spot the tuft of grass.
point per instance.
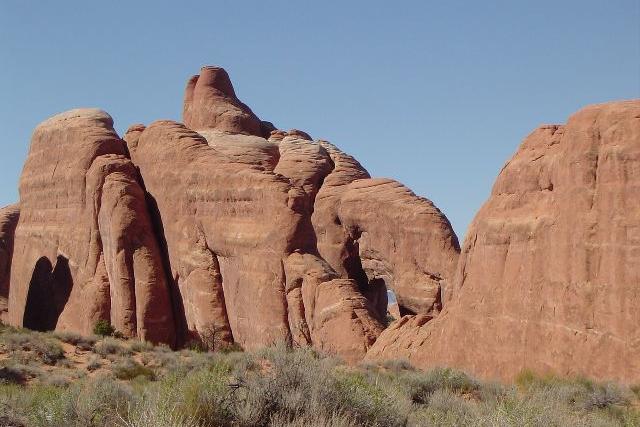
(82, 342)
(110, 346)
(46, 348)
(129, 369)
(398, 365)
(138, 346)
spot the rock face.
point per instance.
(210, 102)
(247, 225)
(549, 273)
(240, 246)
(8, 221)
(84, 246)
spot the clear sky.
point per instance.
(435, 94)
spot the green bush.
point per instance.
(129, 369)
(103, 328)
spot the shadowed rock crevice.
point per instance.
(48, 294)
(9, 217)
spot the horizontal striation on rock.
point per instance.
(222, 225)
(84, 248)
(549, 271)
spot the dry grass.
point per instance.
(69, 380)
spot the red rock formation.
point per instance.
(8, 221)
(235, 236)
(549, 273)
(210, 102)
(212, 207)
(210, 227)
(379, 233)
(84, 247)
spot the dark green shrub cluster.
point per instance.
(103, 328)
(129, 369)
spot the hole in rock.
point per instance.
(48, 294)
(393, 309)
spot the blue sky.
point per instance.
(435, 94)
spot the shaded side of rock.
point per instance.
(9, 216)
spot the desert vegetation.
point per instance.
(64, 379)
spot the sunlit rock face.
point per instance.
(220, 224)
(549, 275)
(84, 247)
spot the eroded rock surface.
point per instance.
(231, 227)
(550, 269)
(221, 228)
(84, 246)
(210, 102)
(8, 220)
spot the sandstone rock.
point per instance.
(84, 246)
(379, 233)
(8, 220)
(210, 102)
(212, 230)
(550, 269)
(231, 227)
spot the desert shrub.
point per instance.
(56, 380)
(369, 403)
(101, 402)
(445, 408)
(156, 413)
(139, 346)
(398, 365)
(230, 348)
(332, 420)
(65, 363)
(109, 346)
(420, 386)
(80, 341)
(47, 349)
(289, 385)
(280, 387)
(16, 374)
(605, 396)
(93, 364)
(97, 403)
(11, 420)
(128, 369)
(103, 328)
